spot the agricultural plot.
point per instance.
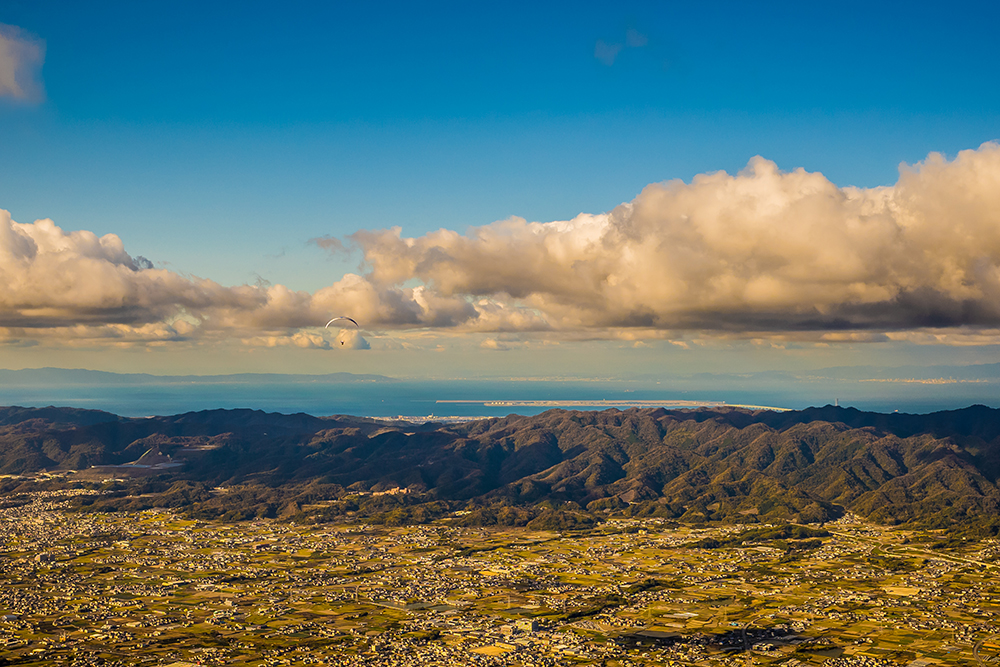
(149, 588)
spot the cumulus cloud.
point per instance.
(53, 278)
(351, 339)
(494, 344)
(56, 280)
(762, 254)
(21, 58)
(301, 339)
(762, 250)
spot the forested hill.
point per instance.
(693, 465)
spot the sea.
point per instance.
(493, 397)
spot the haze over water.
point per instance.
(420, 398)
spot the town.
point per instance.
(156, 588)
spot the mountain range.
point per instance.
(698, 465)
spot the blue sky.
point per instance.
(217, 139)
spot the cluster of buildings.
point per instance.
(90, 588)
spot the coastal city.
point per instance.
(156, 588)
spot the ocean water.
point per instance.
(421, 398)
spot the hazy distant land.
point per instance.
(906, 389)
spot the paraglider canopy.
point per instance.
(342, 318)
(346, 319)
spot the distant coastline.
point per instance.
(902, 389)
(612, 403)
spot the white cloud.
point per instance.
(351, 339)
(635, 39)
(305, 340)
(763, 250)
(494, 344)
(606, 52)
(54, 279)
(762, 254)
(21, 58)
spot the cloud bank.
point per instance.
(83, 288)
(21, 58)
(759, 253)
(763, 250)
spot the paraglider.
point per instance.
(342, 318)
